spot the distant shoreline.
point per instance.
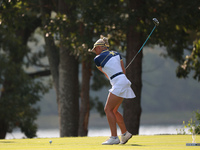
(93, 132)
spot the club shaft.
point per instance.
(141, 47)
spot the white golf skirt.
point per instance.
(121, 87)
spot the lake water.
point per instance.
(144, 130)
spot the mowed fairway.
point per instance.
(156, 142)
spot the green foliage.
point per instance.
(178, 20)
(193, 124)
(179, 32)
(19, 92)
(191, 63)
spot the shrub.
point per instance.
(193, 123)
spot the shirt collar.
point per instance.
(104, 50)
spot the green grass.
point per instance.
(156, 142)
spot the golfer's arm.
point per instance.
(123, 68)
(103, 72)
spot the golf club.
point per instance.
(156, 22)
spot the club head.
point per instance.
(155, 21)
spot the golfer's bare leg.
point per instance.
(120, 119)
(111, 104)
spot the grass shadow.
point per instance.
(132, 145)
(7, 142)
(136, 145)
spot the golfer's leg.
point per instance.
(111, 103)
(120, 119)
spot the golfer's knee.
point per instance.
(115, 113)
(107, 110)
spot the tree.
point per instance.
(179, 32)
(63, 60)
(19, 91)
(82, 31)
(191, 63)
(132, 107)
(85, 84)
(85, 97)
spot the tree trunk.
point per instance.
(132, 107)
(85, 99)
(68, 79)
(50, 48)
(53, 57)
(3, 129)
(68, 94)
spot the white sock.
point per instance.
(124, 133)
(114, 137)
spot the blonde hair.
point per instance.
(106, 42)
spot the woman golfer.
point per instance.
(111, 64)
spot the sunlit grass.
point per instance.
(172, 142)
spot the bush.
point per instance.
(193, 123)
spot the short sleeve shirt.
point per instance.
(109, 61)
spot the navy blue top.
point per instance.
(104, 57)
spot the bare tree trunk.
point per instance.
(68, 94)
(51, 50)
(3, 129)
(53, 57)
(132, 107)
(85, 98)
(68, 78)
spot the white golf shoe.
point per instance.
(125, 137)
(112, 140)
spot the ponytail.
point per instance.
(106, 42)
